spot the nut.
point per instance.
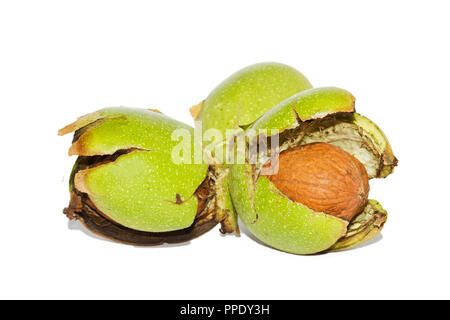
(125, 186)
(318, 200)
(324, 178)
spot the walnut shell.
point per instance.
(324, 178)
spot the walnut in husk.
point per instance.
(322, 116)
(125, 185)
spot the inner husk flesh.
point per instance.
(340, 131)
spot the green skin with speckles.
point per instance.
(247, 94)
(139, 189)
(278, 221)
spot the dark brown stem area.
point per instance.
(324, 178)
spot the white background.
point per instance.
(62, 59)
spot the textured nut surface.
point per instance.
(324, 178)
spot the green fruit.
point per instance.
(126, 186)
(239, 101)
(314, 115)
(247, 94)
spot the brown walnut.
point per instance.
(324, 178)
